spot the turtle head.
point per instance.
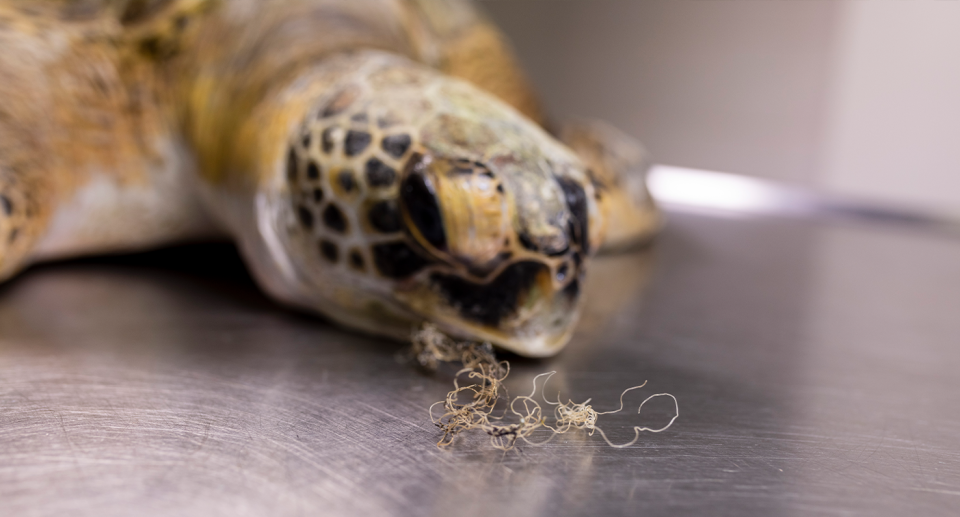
(409, 197)
(507, 249)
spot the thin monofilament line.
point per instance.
(431, 347)
(639, 429)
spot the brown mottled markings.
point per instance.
(317, 195)
(6, 204)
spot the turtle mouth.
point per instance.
(516, 290)
(521, 308)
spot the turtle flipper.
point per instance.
(617, 166)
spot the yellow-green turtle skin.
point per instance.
(380, 162)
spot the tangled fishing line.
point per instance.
(472, 405)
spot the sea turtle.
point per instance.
(381, 162)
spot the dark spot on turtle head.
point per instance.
(305, 216)
(488, 304)
(329, 250)
(306, 140)
(379, 174)
(334, 219)
(356, 142)
(385, 217)
(292, 165)
(500, 189)
(397, 260)
(313, 171)
(317, 195)
(346, 180)
(360, 117)
(396, 145)
(576, 200)
(6, 205)
(356, 260)
(327, 140)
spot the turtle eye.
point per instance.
(420, 203)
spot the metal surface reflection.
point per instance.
(712, 192)
(814, 367)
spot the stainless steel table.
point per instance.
(817, 367)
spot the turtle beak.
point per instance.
(521, 309)
(457, 210)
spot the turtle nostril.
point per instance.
(420, 203)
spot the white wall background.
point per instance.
(860, 97)
(893, 115)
